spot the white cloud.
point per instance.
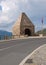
(8, 10)
(5, 7)
(25, 1)
(11, 9)
(8, 5)
(4, 19)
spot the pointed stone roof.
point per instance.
(23, 17)
(22, 23)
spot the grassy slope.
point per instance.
(42, 32)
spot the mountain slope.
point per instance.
(5, 35)
(2, 32)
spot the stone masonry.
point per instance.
(23, 26)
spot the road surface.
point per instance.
(13, 52)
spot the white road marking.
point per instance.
(23, 61)
(13, 39)
(7, 48)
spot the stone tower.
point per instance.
(23, 26)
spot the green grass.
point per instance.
(42, 32)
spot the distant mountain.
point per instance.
(2, 32)
(5, 33)
(42, 32)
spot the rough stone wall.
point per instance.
(16, 27)
(22, 30)
(23, 23)
(26, 24)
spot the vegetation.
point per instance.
(41, 32)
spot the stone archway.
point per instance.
(27, 32)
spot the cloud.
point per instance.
(5, 7)
(38, 8)
(4, 19)
(24, 1)
(11, 9)
(8, 6)
(8, 10)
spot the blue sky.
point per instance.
(11, 9)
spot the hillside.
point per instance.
(42, 32)
(4, 33)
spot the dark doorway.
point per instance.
(27, 32)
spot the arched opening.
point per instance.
(27, 32)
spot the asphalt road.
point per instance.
(13, 52)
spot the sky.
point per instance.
(11, 9)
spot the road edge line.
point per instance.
(27, 57)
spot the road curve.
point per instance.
(13, 52)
